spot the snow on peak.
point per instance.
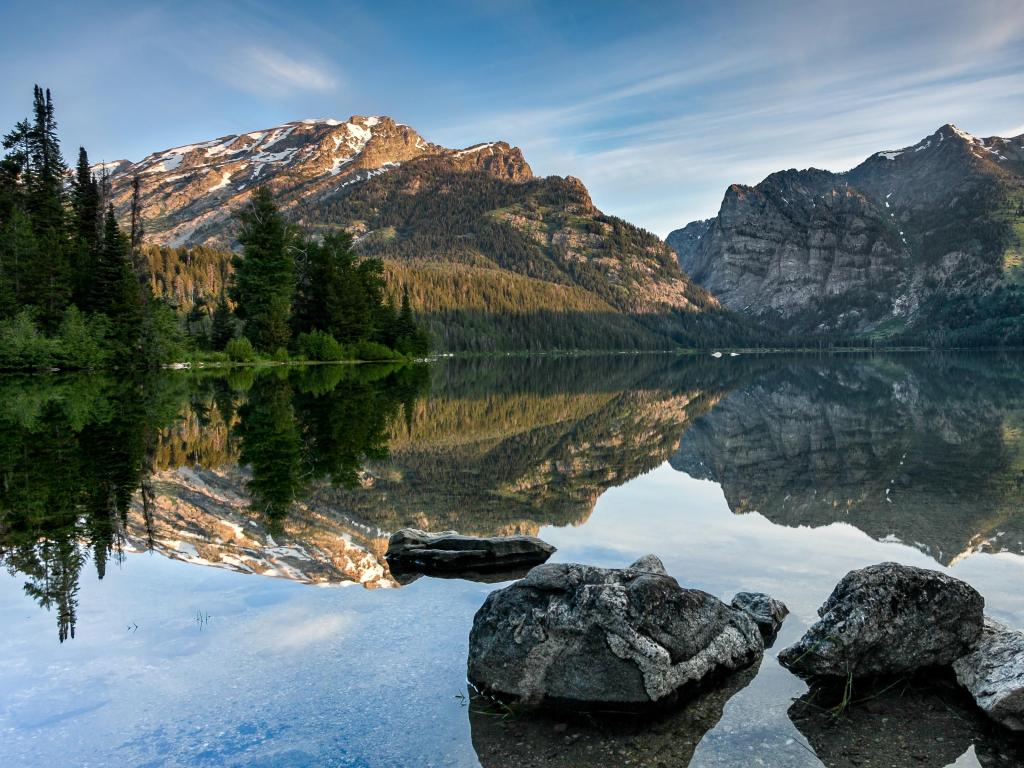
(474, 149)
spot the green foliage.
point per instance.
(22, 346)
(372, 351)
(161, 335)
(240, 350)
(263, 283)
(223, 326)
(280, 355)
(82, 340)
(319, 346)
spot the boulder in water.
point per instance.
(582, 637)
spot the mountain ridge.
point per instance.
(872, 249)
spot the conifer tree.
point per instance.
(222, 328)
(114, 290)
(48, 277)
(85, 206)
(263, 283)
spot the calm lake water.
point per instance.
(194, 572)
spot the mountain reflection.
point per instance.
(304, 473)
(924, 450)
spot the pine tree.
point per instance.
(114, 289)
(264, 278)
(406, 326)
(48, 277)
(18, 252)
(137, 231)
(85, 206)
(222, 329)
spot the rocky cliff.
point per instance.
(880, 248)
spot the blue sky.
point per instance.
(658, 107)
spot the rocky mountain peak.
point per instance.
(190, 193)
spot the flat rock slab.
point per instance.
(414, 550)
(993, 673)
(889, 619)
(580, 637)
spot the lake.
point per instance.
(194, 571)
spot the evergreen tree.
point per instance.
(137, 231)
(48, 276)
(85, 206)
(222, 330)
(18, 252)
(114, 290)
(263, 283)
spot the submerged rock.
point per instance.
(767, 612)
(582, 637)
(889, 619)
(993, 673)
(599, 740)
(413, 550)
(916, 724)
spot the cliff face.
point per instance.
(866, 250)
(881, 446)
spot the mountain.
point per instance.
(911, 241)
(495, 257)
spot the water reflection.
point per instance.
(304, 473)
(503, 737)
(874, 730)
(926, 451)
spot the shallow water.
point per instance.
(195, 573)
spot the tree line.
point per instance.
(315, 296)
(72, 292)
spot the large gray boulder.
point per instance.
(889, 619)
(412, 549)
(582, 637)
(993, 673)
(767, 612)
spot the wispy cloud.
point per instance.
(260, 69)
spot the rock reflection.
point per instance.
(906, 724)
(504, 738)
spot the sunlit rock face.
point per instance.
(190, 193)
(877, 444)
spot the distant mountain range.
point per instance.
(496, 258)
(925, 240)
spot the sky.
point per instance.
(656, 106)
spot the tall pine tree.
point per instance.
(114, 289)
(263, 283)
(85, 208)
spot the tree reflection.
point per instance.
(76, 452)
